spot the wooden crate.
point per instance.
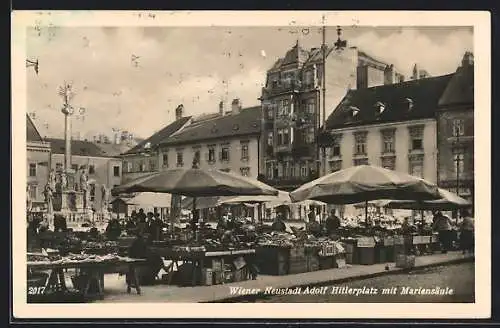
(312, 263)
(405, 261)
(326, 262)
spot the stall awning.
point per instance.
(151, 199)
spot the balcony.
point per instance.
(288, 183)
(282, 87)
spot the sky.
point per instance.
(133, 78)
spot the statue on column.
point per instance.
(105, 198)
(52, 179)
(85, 188)
(78, 177)
(64, 181)
(48, 193)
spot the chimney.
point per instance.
(389, 75)
(179, 112)
(468, 59)
(415, 72)
(221, 108)
(235, 106)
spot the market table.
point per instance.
(197, 258)
(94, 270)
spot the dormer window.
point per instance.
(147, 145)
(409, 102)
(354, 111)
(380, 107)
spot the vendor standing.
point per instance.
(278, 224)
(442, 224)
(467, 233)
(313, 227)
(332, 223)
(154, 263)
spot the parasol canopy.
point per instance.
(365, 183)
(449, 201)
(195, 182)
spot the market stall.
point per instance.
(88, 278)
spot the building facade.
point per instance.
(38, 153)
(292, 107)
(455, 123)
(227, 141)
(103, 170)
(144, 158)
(392, 126)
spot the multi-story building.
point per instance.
(292, 107)
(455, 124)
(393, 126)
(144, 157)
(103, 170)
(228, 141)
(38, 162)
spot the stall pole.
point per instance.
(195, 219)
(366, 212)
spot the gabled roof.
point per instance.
(112, 149)
(247, 122)
(78, 148)
(156, 138)
(32, 133)
(460, 90)
(423, 94)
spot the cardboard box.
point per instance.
(207, 277)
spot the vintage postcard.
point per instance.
(293, 164)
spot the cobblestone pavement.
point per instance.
(459, 277)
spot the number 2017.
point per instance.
(36, 290)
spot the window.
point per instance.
(165, 160)
(180, 159)
(129, 166)
(116, 171)
(245, 171)
(224, 154)
(458, 127)
(308, 106)
(280, 169)
(269, 138)
(335, 147)
(360, 143)
(92, 192)
(303, 170)
(280, 137)
(74, 167)
(416, 168)
(244, 151)
(32, 191)
(360, 161)
(211, 154)
(196, 156)
(91, 169)
(125, 166)
(416, 137)
(59, 166)
(458, 160)
(270, 112)
(32, 170)
(269, 170)
(286, 137)
(309, 137)
(152, 164)
(285, 107)
(142, 167)
(309, 78)
(335, 166)
(388, 141)
(389, 163)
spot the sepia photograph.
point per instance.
(249, 158)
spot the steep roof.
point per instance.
(112, 149)
(423, 94)
(460, 90)
(156, 138)
(78, 148)
(32, 133)
(247, 122)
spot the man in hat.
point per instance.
(442, 224)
